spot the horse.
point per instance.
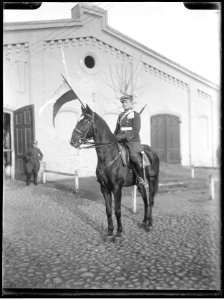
(111, 173)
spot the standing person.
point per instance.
(127, 131)
(33, 157)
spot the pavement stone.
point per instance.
(55, 239)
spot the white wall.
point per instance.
(165, 91)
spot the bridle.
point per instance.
(84, 140)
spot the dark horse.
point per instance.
(111, 173)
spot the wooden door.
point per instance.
(158, 136)
(165, 137)
(23, 136)
(172, 139)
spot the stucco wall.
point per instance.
(34, 60)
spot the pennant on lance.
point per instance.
(63, 94)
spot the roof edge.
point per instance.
(159, 56)
(77, 13)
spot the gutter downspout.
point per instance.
(212, 133)
(189, 123)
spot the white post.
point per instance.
(44, 179)
(192, 172)
(76, 182)
(212, 187)
(43, 174)
(134, 199)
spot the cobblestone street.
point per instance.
(53, 238)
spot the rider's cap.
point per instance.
(124, 97)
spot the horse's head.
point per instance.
(84, 128)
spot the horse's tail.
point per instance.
(152, 171)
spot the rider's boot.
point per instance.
(139, 172)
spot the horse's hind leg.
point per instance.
(152, 191)
(108, 201)
(143, 193)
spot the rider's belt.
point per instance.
(126, 128)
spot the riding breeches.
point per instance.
(33, 166)
(134, 150)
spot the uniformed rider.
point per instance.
(127, 131)
(33, 157)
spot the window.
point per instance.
(89, 62)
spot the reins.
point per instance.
(84, 140)
(93, 144)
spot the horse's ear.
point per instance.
(83, 109)
(88, 110)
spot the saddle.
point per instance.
(125, 156)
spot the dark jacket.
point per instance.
(129, 125)
(34, 153)
(33, 156)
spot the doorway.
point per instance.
(165, 137)
(23, 136)
(7, 145)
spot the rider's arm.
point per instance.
(40, 154)
(117, 129)
(136, 126)
(28, 154)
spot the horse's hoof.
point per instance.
(148, 228)
(142, 225)
(109, 238)
(118, 234)
(118, 239)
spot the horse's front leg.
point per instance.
(117, 202)
(108, 200)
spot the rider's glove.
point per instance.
(120, 137)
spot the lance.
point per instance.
(142, 109)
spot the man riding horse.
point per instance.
(112, 172)
(127, 132)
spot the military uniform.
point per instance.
(33, 157)
(127, 131)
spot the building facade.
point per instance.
(181, 120)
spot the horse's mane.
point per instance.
(102, 127)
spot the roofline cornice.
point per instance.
(32, 25)
(158, 56)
